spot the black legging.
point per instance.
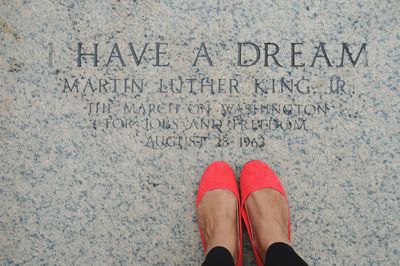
(277, 254)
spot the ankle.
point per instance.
(264, 243)
(230, 246)
(223, 237)
(269, 233)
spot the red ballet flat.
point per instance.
(219, 175)
(254, 176)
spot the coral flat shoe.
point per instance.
(219, 175)
(257, 175)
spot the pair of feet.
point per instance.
(218, 219)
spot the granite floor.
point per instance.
(106, 172)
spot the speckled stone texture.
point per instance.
(72, 194)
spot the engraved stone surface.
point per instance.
(111, 110)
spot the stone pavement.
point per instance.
(111, 110)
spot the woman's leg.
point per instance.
(281, 254)
(217, 214)
(219, 256)
(269, 216)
